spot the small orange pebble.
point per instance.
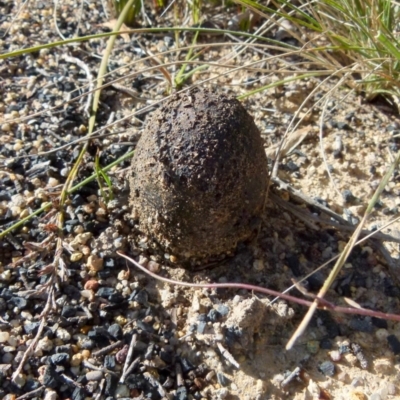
(92, 284)
(357, 395)
(85, 329)
(134, 393)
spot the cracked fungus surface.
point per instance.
(199, 175)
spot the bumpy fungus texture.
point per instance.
(199, 176)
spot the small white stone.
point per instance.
(143, 261)
(53, 182)
(335, 355)
(50, 395)
(15, 211)
(87, 294)
(5, 276)
(4, 336)
(65, 171)
(63, 334)
(153, 266)
(45, 344)
(195, 304)
(18, 200)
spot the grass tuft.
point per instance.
(356, 34)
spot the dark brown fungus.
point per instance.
(199, 175)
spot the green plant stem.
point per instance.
(34, 49)
(179, 80)
(26, 219)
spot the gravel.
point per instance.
(111, 332)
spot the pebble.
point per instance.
(5, 276)
(394, 344)
(153, 266)
(7, 358)
(50, 395)
(221, 393)
(15, 211)
(222, 309)
(10, 397)
(313, 346)
(381, 334)
(76, 256)
(91, 284)
(45, 344)
(115, 331)
(335, 355)
(13, 341)
(357, 395)
(53, 182)
(82, 238)
(63, 334)
(95, 263)
(222, 379)
(258, 265)
(86, 354)
(60, 358)
(64, 171)
(20, 380)
(313, 390)
(195, 303)
(76, 360)
(6, 127)
(121, 391)
(94, 375)
(327, 368)
(4, 336)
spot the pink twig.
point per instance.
(322, 303)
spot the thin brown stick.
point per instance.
(32, 393)
(107, 349)
(29, 350)
(321, 303)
